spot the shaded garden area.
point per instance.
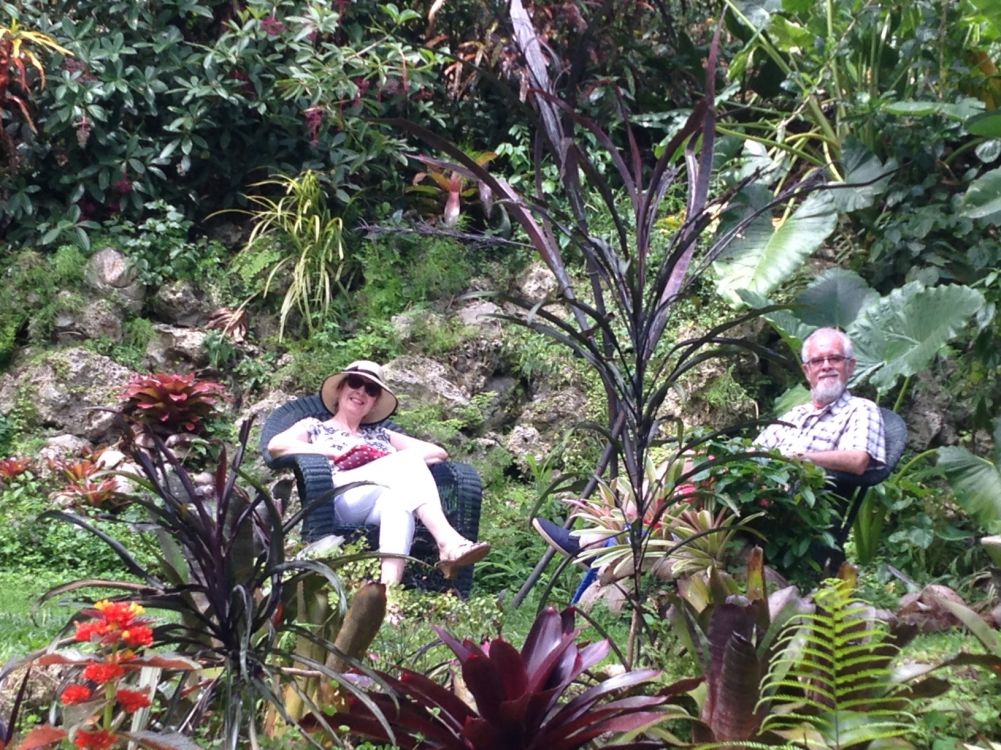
(588, 241)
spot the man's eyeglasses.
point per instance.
(357, 381)
(834, 359)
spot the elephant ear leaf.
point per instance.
(903, 332)
(975, 481)
(982, 199)
(766, 253)
(866, 177)
(835, 299)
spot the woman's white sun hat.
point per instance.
(384, 406)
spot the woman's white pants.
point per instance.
(397, 485)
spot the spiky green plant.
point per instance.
(300, 220)
(832, 686)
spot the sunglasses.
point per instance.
(834, 359)
(355, 382)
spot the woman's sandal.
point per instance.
(462, 555)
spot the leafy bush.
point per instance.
(28, 546)
(793, 513)
(187, 100)
(29, 286)
(402, 270)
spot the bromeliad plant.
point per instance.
(520, 699)
(168, 404)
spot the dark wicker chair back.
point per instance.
(458, 485)
(853, 488)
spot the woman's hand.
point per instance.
(431, 453)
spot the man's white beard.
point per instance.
(827, 391)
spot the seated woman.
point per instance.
(393, 467)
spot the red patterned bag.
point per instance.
(358, 455)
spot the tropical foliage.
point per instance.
(520, 698)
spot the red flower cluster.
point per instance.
(132, 700)
(103, 672)
(116, 622)
(74, 694)
(96, 739)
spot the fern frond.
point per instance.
(831, 685)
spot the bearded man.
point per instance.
(836, 430)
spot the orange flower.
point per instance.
(138, 635)
(121, 614)
(90, 630)
(102, 672)
(100, 739)
(75, 694)
(132, 700)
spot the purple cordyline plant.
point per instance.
(521, 697)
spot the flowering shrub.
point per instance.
(96, 705)
(169, 404)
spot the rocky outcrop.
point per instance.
(71, 391)
(115, 278)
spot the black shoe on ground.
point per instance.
(557, 537)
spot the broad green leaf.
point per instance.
(975, 481)
(962, 109)
(835, 299)
(766, 255)
(913, 107)
(795, 396)
(903, 332)
(987, 124)
(866, 177)
(983, 197)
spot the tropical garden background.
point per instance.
(587, 238)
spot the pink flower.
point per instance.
(272, 26)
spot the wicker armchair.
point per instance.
(458, 485)
(853, 487)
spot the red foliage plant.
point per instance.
(517, 697)
(84, 486)
(13, 467)
(169, 404)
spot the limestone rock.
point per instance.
(173, 348)
(115, 277)
(69, 390)
(419, 380)
(537, 282)
(181, 303)
(94, 319)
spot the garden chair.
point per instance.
(458, 484)
(854, 487)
